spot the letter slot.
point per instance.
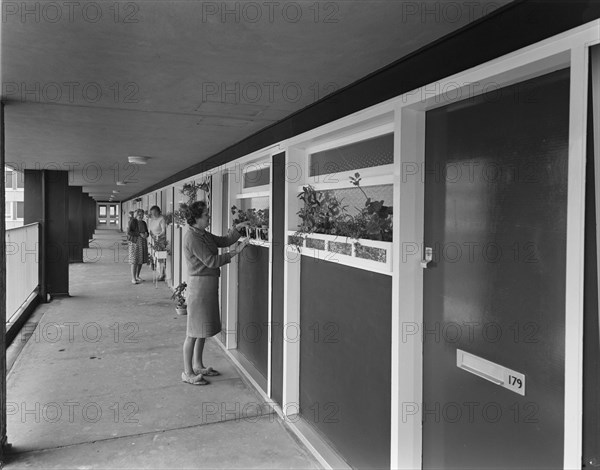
(495, 373)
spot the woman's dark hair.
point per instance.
(194, 211)
(155, 207)
(137, 211)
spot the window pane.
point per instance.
(8, 179)
(20, 179)
(364, 154)
(8, 210)
(102, 211)
(112, 211)
(258, 177)
(20, 209)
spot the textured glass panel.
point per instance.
(341, 248)
(259, 177)
(315, 243)
(364, 154)
(372, 253)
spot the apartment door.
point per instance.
(495, 219)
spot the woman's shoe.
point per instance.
(208, 372)
(134, 281)
(193, 379)
(139, 279)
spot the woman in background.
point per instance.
(157, 227)
(200, 249)
(137, 234)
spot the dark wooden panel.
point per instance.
(477, 42)
(279, 230)
(57, 232)
(47, 201)
(75, 225)
(253, 306)
(496, 220)
(345, 359)
(591, 328)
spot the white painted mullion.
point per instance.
(407, 296)
(595, 67)
(269, 325)
(291, 295)
(234, 185)
(575, 259)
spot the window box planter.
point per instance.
(371, 255)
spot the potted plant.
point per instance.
(239, 216)
(179, 298)
(263, 229)
(160, 246)
(375, 216)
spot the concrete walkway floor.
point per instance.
(98, 385)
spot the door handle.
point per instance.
(428, 257)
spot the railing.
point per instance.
(22, 267)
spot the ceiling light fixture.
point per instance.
(115, 191)
(121, 183)
(138, 160)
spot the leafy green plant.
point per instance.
(375, 219)
(322, 212)
(178, 295)
(179, 214)
(256, 218)
(160, 243)
(190, 190)
(263, 217)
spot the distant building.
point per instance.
(14, 193)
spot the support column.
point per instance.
(47, 202)
(89, 215)
(2, 296)
(85, 241)
(93, 219)
(75, 225)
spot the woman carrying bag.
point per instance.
(137, 235)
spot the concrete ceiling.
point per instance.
(89, 83)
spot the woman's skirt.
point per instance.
(138, 251)
(203, 317)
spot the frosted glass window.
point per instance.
(368, 153)
(258, 177)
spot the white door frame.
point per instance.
(567, 49)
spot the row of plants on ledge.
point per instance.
(190, 190)
(323, 213)
(258, 220)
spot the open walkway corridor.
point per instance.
(98, 384)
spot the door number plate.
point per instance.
(495, 373)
